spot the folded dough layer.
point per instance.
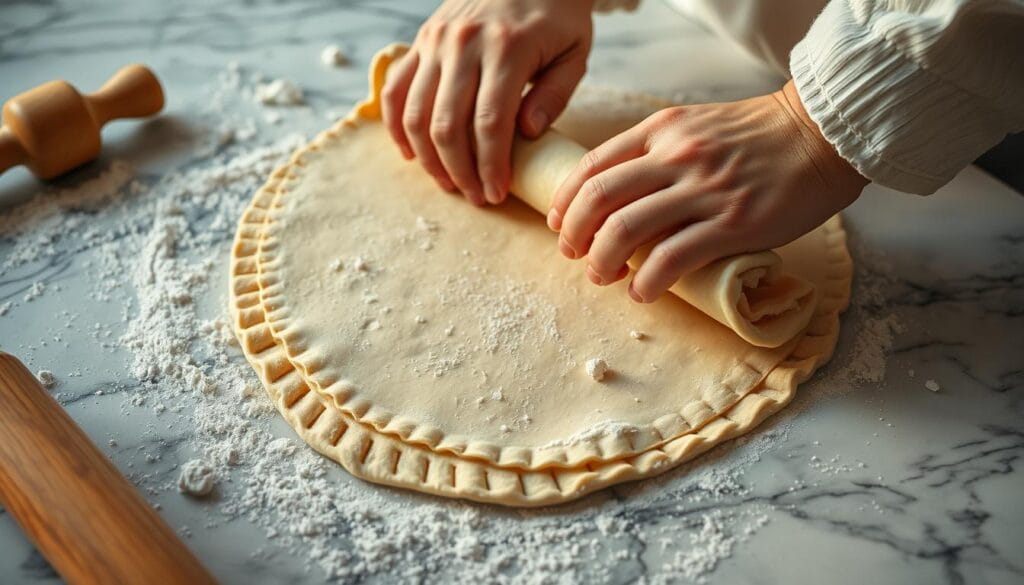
(749, 293)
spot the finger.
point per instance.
(645, 221)
(603, 194)
(630, 144)
(502, 80)
(693, 247)
(416, 119)
(396, 90)
(449, 124)
(551, 91)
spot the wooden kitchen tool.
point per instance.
(85, 518)
(52, 129)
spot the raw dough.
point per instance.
(484, 399)
(196, 478)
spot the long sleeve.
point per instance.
(912, 91)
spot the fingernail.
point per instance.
(492, 194)
(447, 185)
(554, 220)
(539, 120)
(595, 277)
(407, 152)
(566, 249)
(635, 295)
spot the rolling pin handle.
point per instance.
(132, 92)
(11, 152)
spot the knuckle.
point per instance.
(390, 98)
(488, 121)
(666, 258)
(686, 151)
(590, 163)
(504, 34)
(617, 229)
(464, 31)
(595, 193)
(415, 121)
(443, 130)
(667, 115)
(434, 31)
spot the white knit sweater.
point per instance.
(910, 91)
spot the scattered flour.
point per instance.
(638, 335)
(196, 479)
(876, 324)
(603, 429)
(932, 385)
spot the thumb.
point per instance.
(551, 91)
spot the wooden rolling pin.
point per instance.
(84, 517)
(52, 129)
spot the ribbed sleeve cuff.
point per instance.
(897, 123)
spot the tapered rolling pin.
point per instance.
(52, 128)
(84, 517)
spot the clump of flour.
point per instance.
(596, 368)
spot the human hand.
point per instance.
(700, 183)
(453, 101)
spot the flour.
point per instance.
(876, 324)
(593, 432)
(596, 368)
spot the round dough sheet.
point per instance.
(426, 343)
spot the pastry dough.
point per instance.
(424, 343)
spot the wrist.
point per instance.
(837, 172)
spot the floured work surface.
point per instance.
(424, 343)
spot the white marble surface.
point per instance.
(862, 481)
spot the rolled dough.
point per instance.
(427, 344)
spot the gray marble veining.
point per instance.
(873, 481)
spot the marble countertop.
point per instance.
(868, 476)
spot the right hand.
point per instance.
(454, 100)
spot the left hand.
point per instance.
(700, 183)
